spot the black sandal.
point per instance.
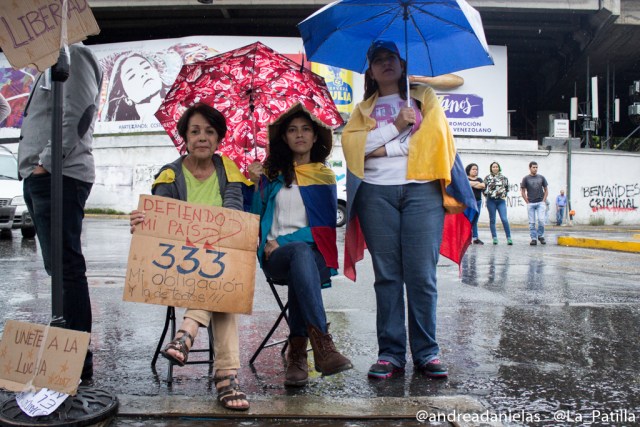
(230, 392)
(179, 345)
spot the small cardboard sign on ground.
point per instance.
(42, 356)
(30, 29)
(195, 256)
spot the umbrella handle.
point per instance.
(408, 92)
(405, 17)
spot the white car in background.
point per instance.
(342, 205)
(341, 186)
(13, 210)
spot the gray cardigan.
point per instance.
(231, 192)
(80, 106)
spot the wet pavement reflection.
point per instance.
(535, 329)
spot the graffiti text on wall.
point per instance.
(616, 197)
(513, 196)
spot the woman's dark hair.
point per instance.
(371, 86)
(280, 158)
(469, 166)
(491, 167)
(213, 116)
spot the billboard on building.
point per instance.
(137, 75)
(340, 84)
(479, 106)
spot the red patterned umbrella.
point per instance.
(251, 86)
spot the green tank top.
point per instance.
(205, 192)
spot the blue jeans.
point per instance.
(75, 288)
(499, 205)
(303, 268)
(559, 215)
(402, 226)
(474, 224)
(536, 210)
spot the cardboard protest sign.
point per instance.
(30, 30)
(42, 356)
(194, 256)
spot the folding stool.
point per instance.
(283, 315)
(170, 321)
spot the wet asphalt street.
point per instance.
(538, 331)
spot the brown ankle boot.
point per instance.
(325, 356)
(297, 374)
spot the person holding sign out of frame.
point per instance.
(203, 177)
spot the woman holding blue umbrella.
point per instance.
(400, 159)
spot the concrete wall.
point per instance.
(605, 184)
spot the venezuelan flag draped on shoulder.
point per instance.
(317, 184)
(432, 156)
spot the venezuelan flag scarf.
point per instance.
(432, 156)
(317, 184)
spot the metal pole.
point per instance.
(608, 116)
(59, 74)
(575, 94)
(568, 208)
(613, 90)
(587, 119)
(406, 51)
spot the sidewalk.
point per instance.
(523, 330)
(621, 238)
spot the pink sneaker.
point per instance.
(434, 369)
(383, 369)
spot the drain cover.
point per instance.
(89, 406)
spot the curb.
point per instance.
(106, 216)
(611, 245)
(307, 407)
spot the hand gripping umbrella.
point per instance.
(251, 86)
(436, 36)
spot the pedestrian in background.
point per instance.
(561, 204)
(477, 185)
(496, 190)
(79, 112)
(534, 191)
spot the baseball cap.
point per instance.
(381, 44)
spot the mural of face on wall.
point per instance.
(135, 89)
(140, 80)
(137, 81)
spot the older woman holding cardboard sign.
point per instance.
(205, 178)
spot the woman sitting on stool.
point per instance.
(296, 200)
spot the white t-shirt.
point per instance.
(392, 169)
(289, 214)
